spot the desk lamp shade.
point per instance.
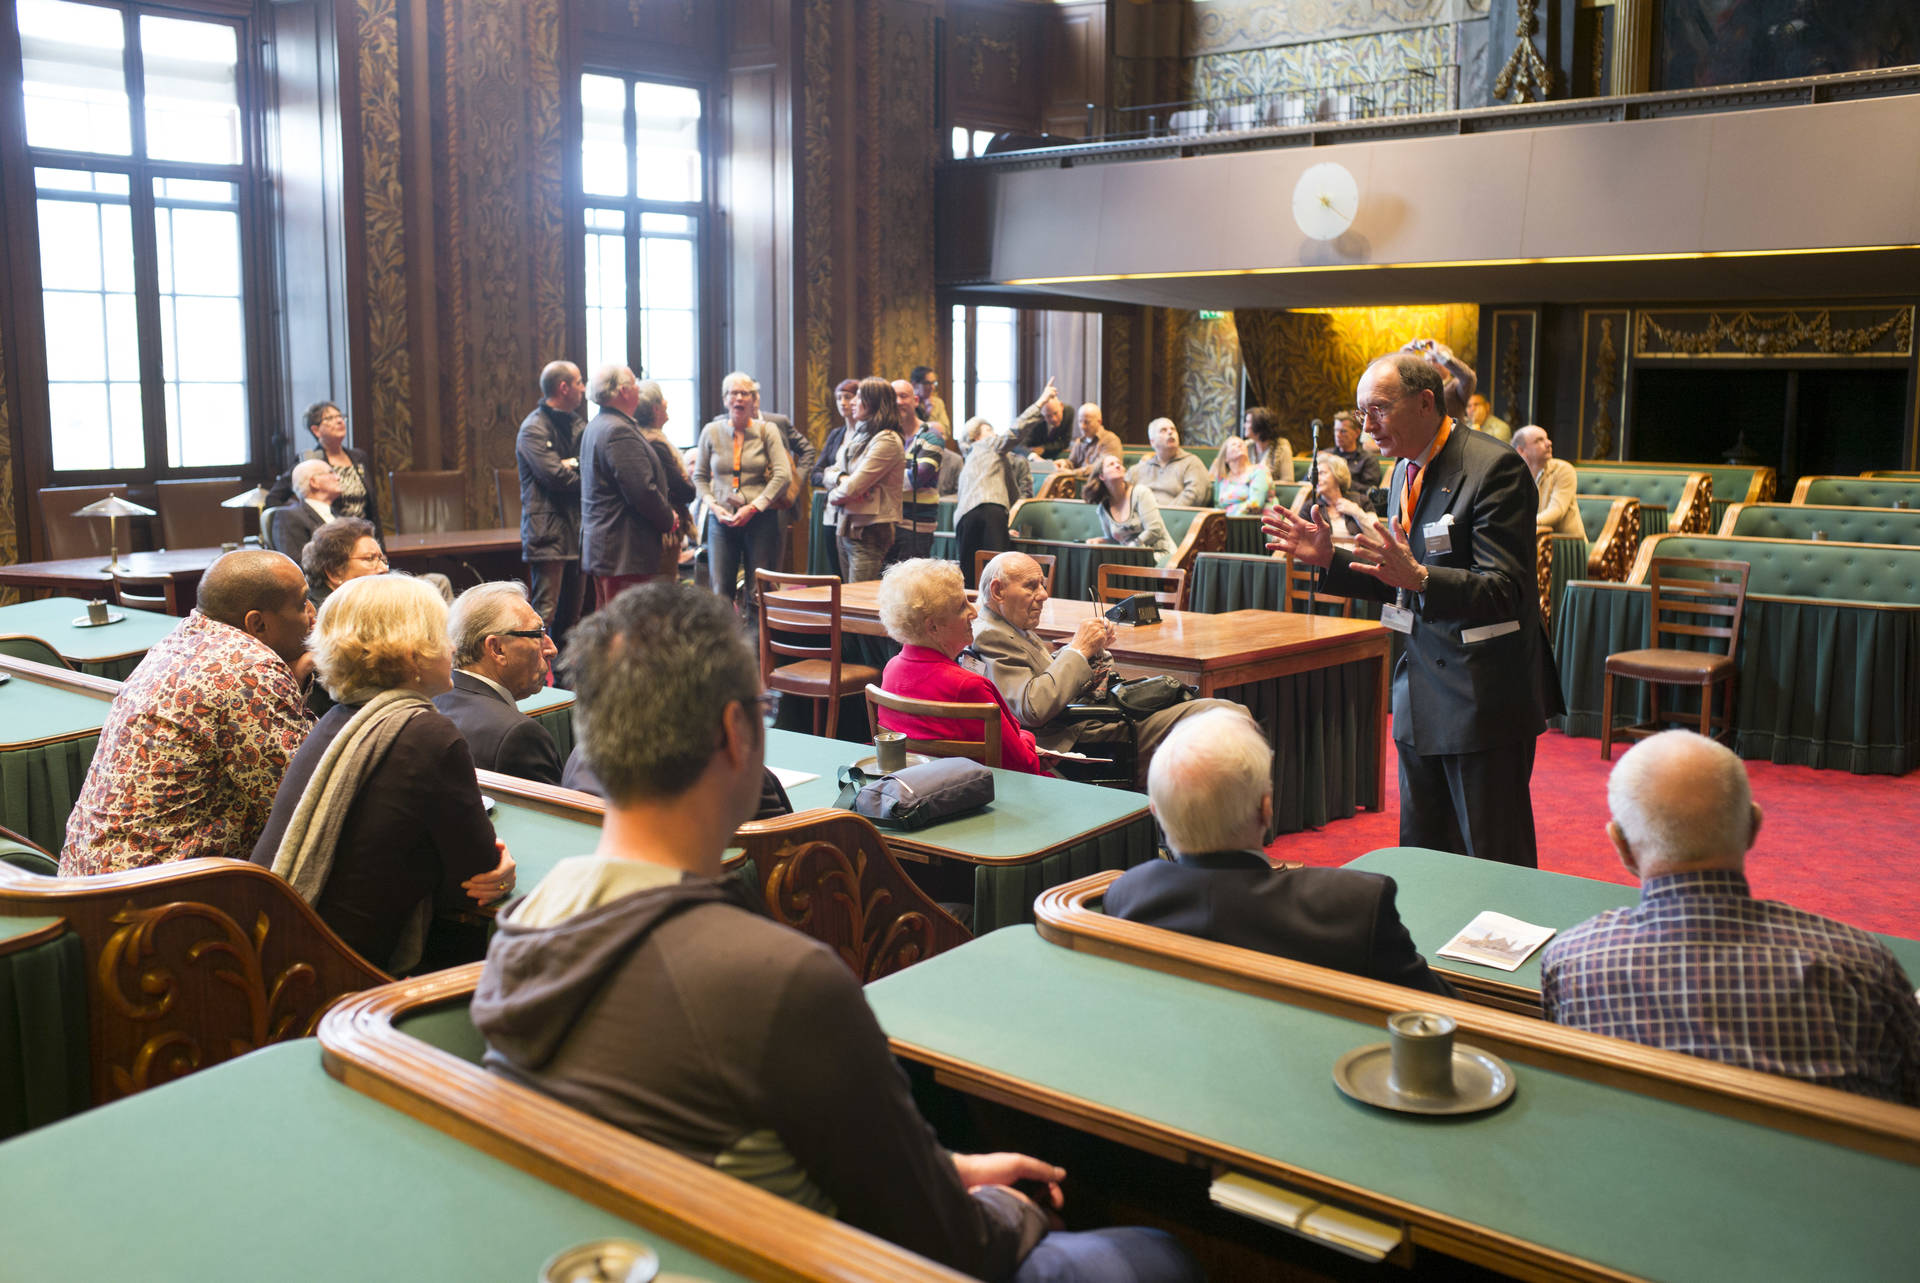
(113, 506)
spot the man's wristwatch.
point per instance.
(1425, 575)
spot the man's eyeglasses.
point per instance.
(1378, 410)
(529, 633)
(372, 559)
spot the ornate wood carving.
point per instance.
(9, 534)
(1515, 341)
(1786, 332)
(816, 204)
(389, 358)
(1617, 543)
(1603, 370)
(1526, 75)
(829, 873)
(177, 983)
(1543, 572)
(1694, 514)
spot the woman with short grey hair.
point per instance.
(995, 476)
(741, 471)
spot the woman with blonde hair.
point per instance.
(378, 823)
(1240, 485)
(1332, 489)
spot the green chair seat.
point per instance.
(1838, 524)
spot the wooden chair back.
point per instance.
(506, 495)
(830, 874)
(985, 750)
(1300, 581)
(425, 502)
(191, 515)
(190, 963)
(156, 593)
(70, 536)
(1685, 589)
(807, 631)
(27, 646)
(1046, 562)
(1115, 583)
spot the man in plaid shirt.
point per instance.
(1702, 967)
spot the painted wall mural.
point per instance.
(1204, 370)
(1303, 365)
(1374, 58)
(1728, 42)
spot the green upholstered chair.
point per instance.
(1678, 501)
(1858, 492)
(1732, 483)
(1836, 523)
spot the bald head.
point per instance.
(1088, 420)
(1211, 783)
(1534, 445)
(1006, 566)
(252, 579)
(1681, 802)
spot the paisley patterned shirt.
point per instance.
(191, 754)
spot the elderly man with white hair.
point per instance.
(1700, 966)
(290, 527)
(1174, 475)
(1211, 786)
(1554, 479)
(501, 655)
(1038, 683)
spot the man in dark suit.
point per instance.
(501, 655)
(1453, 564)
(624, 509)
(1211, 786)
(546, 453)
(290, 527)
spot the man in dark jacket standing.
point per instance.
(547, 452)
(624, 509)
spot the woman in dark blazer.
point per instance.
(388, 840)
(357, 498)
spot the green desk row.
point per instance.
(1038, 832)
(110, 650)
(48, 744)
(1629, 1182)
(266, 1168)
(1439, 893)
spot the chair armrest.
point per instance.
(1091, 713)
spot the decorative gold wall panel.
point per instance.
(1603, 383)
(1511, 369)
(1800, 333)
(901, 305)
(1358, 59)
(1304, 365)
(9, 533)
(816, 220)
(1225, 26)
(386, 426)
(1206, 374)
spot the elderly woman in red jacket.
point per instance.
(924, 607)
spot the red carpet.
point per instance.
(1833, 843)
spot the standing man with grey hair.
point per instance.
(290, 527)
(501, 655)
(1700, 966)
(1174, 475)
(1453, 565)
(624, 509)
(1211, 787)
(547, 454)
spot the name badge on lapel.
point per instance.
(1439, 534)
(1397, 619)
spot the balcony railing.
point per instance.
(1417, 91)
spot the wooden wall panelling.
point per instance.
(1074, 66)
(383, 342)
(673, 36)
(1511, 363)
(754, 138)
(900, 305)
(22, 339)
(1605, 339)
(997, 71)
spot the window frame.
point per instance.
(27, 339)
(703, 212)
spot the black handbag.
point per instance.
(916, 796)
(1139, 698)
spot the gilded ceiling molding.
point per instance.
(389, 363)
(1795, 332)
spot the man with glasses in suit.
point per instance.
(501, 655)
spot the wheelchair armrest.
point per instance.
(1091, 713)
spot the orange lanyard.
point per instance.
(738, 442)
(1410, 491)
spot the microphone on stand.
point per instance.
(1313, 488)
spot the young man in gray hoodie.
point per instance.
(640, 985)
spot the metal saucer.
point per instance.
(1481, 1081)
(113, 617)
(871, 764)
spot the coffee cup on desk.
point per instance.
(890, 751)
(1421, 1046)
(96, 612)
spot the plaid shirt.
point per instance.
(1702, 967)
(191, 754)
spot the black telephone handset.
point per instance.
(1141, 608)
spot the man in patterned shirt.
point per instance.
(1702, 967)
(199, 736)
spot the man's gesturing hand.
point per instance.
(1383, 553)
(1309, 542)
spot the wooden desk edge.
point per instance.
(38, 936)
(65, 679)
(1820, 1113)
(725, 1220)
